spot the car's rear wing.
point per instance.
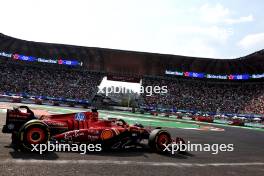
(15, 118)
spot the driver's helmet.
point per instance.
(138, 125)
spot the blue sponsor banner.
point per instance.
(238, 77)
(69, 62)
(39, 59)
(24, 58)
(70, 100)
(214, 76)
(196, 75)
(83, 101)
(150, 108)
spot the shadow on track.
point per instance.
(31, 155)
(131, 152)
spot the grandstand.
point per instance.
(207, 96)
(199, 84)
(40, 81)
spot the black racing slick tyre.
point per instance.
(158, 139)
(33, 132)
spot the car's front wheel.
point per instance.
(159, 139)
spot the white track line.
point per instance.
(135, 163)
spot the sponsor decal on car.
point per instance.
(107, 134)
(93, 131)
(14, 115)
(80, 116)
(73, 134)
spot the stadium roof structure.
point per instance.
(132, 62)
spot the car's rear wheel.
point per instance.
(34, 132)
(159, 139)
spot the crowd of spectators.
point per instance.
(201, 95)
(185, 94)
(51, 82)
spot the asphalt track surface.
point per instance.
(246, 159)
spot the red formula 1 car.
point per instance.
(237, 122)
(204, 118)
(82, 127)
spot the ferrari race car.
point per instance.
(237, 122)
(78, 128)
(204, 118)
